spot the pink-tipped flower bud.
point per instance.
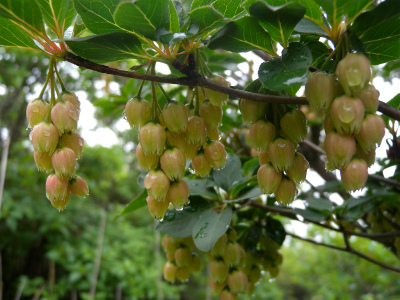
(298, 171)
(216, 287)
(137, 112)
(263, 157)
(44, 138)
(320, 90)
(286, 191)
(262, 134)
(175, 117)
(354, 175)
(339, 148)
(183, 274)
(196, 132)
(183, 257)
(347, 114)
(36, 111)
(371, 133)
(368, 157)
(294, 126)
(281, 152)
(170, 271)
(157, 208)
(191, 150)
(57, 191)
(370, 98)
(173, 163)
(152, 137)
(78, 187)
(71, 97)
(219, 247)
(218, 271)
(217, 98)
(169, 243)
(74, 141)
(157, 184)
(268, 179)
(176, 140)
(64, 162)
(146, 162)
(232, 254)
(225, 295)
(43, 161)
(216, 155)
(64, 116)
(211, 114)
(178, 194)
(237, 282)
(252, 111)
(354, 72)
(201, 166)
(213, 133)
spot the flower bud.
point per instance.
(328, 123)
(44, 138)
(170, 271)
(64, 116)
(237, 282)
(371, 133)
(354, 175)
(74, 141)
(218, 271)
(225, 295)
(368, 157)
(183, 274)
(57, 191)
(173, 163)
(298, 171)
(178, 194)
(43, 161)
(157, 184)
(36, 111)
(231, 234)
(255, 275)
(216, 287)
(268, 179)
(196, 132)
(370, 98)
(78, 187)
(169, 243)
(294, 126)
(320, 90)
(195, 266)
(72, 98)
(191, 150)
(137, 112)
(176, 140)
(175, 117)
(201, 166)
(339, 148)
(216, 155)
(286, 191)
(252, 111)
(262, 133)
(152, 137)
(232, 254)
(281, 152)
(146, 162)
(211, 114)
(248, 262)
(183, 257)
(263, 157)
(354, 72)
(219, 247)
(213, 133)
(64, 162)
(217, 98)
(347, 114)
(157, 208)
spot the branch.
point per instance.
(195, 79)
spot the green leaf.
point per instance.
(107, 47)
(278, 20)
(135, 204)
(229, 8)
(310, 214)
(55, 13)
(289, 71)
(252, 237)
(25, 12)
(229, 176)
(319, 52)
(275, 231)
(200, 187)
(313, 11)
(320, 204)
(174, 18)
(210, 226)
(308, 26)
(143, 17)
(395, 102)
(207, 18)
(238, 187)
(13, 36)
(242, 35)
(169, 38)
(247, 193)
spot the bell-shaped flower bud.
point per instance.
(298, 171)
(232, 234)
(213, 133)
(201, 166)
(268, 178)
(196, 132)
(152, 137)
(252, 111)
(354, 72)
(156, 184)
(368, 157)
(371, 133)
(216, 287)
(217, 98)
(72, 98)
(219, 247)
(36, 111)
(328, 123)
(286, 191)
(137, 112)
(218, 271)
(191, 150)
(170, 271)
(262, 133)
(347, 114)
(146, 162)
(176, 140)
(178, 194)
(175, 117)
(44, 138)
(195, 266)
(232, 254)
(43, 161)
(263, 157)
(64, 116)
(211, 114)
(173, 163)
(183, 257)
(78, 187)
(57, 191)
(216, 155)
(281, 152)
(354, 175)
(339, 148)
(183, 274)
(157, 208)
(225, 295)
(294, 126)
(248, 262)
(370, 98)
(74, 141)
(255, 274)
(64, 162)
(237, 282)
(320, 90)
(169, 243)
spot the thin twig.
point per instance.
(4, 158)
(20, 289)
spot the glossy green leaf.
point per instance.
(275, 230)
(174, 18)
(207, 18)
(201, 187)
(135, 204)
(55, 13)
(13, 36)
(310, 214)
(211, 224)
(246, 193)
(320, 204)
(289, 71)
(230, 175)
(307, 26)
(242, 35)
(169, 38)
(313, 11)
(106, 47)
(238, 187)
(25, 12)
(229, 8)
(319, 52)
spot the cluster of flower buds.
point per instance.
(281, 167)
(57, 146)
(181, 260)
(351, 125)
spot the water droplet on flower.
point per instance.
(46, 133)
